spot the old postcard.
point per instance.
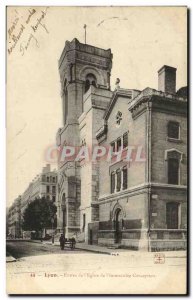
(96, 150)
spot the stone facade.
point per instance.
(138, 203)
(79, 65)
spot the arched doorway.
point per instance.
(118, 225)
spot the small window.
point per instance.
(173, 130)
(125, 140)
(119, 144)
(54, 179)
(173, 171)
(47, 189)
(113, 147)
(112, 183)
(124, 178)
(48, 179)
(118, 180)
(53, 198)
(53, 189)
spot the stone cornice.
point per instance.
(75, 45)
(153, 95)
(139, 189)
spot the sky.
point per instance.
(142, 39)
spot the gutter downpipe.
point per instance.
(149, 121)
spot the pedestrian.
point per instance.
(73, 241)
(62, 240)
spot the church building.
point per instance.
(136, 197)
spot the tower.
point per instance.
(80, 66)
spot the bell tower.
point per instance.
(80, 66)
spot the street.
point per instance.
(46, 269)
(20, 249)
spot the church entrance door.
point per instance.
(118, 226)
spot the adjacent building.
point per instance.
(138, 201)
(43, 185)
(14, 219)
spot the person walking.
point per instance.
(62, 241)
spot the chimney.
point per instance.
(167, 79)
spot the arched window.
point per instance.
(87, 85)
(174, 158)
(90, 80)
(94, 83)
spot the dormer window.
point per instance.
(174, 130)
(90, 80)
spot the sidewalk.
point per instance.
(128, 252)
(100, 249)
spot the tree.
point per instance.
(39, 214)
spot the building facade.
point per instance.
(136, 197)
(14, 219)
(43, 185)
